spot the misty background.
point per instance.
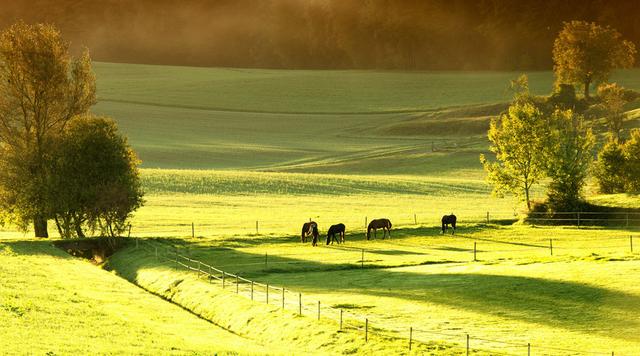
(367, 34)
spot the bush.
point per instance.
(631, 151)
(94, 179)
(609, 169)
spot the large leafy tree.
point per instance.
(94, 180)
(585, 53)
(613, 99)
(609, 169)
(568, 157)
(631, 151)
(517, 139)
(41, 88)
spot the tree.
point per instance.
(94, 181)
(585, 53)
(631, 151)
(568, 156)
(613, 100)
(516, 140)
(609, 169)
(41, 89)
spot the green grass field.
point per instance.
(581, 298)
(54, 304)
(225, 149)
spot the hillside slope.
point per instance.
(53, 303)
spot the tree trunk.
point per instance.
(55, 218)
(526, 193)
(40, 227)
(78, 226)
(587, 84)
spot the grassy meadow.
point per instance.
(54, 304)
(226, 148)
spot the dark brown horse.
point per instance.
(384, 224)
(333, 230)
(309, 229)
(449, 219)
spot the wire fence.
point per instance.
(348, 321)
(283, 225)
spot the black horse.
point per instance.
(449, 219)
(309, 229)
(333, 230)
(384, 224)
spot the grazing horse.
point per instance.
(384, 224)
(333, 230)
(309, 229)
(449, 219)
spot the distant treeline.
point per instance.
(393, 34)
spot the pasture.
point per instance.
(52, 303)
(581, 298)
(236, 160)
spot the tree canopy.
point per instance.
(93, 179)
(41, 88)
(567, 158)
(517, 139)
(585, 53)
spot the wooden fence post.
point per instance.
(300, 304)
(193, 230)
(136, 243)
(156, 253)
(529, 349)
(282, 298)
(415, 219)
(267, 293)
(318, 310)
(551, 246)
(223, 279)
(467, 344)
(366, 330)
(237, 285)
(257, 227)
(410, 336)
(129, 234)
(340, 319)
(487, 217)
(578, 219)
(475, 251)
(251, 290)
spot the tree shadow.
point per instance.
(568, 305)
(32, 247)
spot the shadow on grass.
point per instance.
(568, 305)
(33, 247)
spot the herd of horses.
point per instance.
(310, 230)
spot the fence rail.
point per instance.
(288, 299)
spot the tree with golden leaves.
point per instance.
(585, 53)
(41, 89)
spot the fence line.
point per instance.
(355, 323)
